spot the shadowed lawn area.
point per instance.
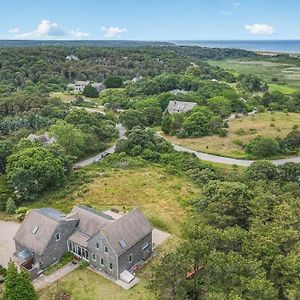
(157, 193)
(241, 131)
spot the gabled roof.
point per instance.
(80, 82)
(90, 220)
(180, 106)
(38, 227)
(123, 233)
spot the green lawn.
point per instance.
(241, 131)
(286, 75)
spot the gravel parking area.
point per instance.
(7, 245)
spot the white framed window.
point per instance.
(110, 266)
(130, 258)
(94, 256)
(105, 249)
(101, 261)
(57, 237)
(145, 246)
(97, 245)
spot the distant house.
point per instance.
(72, 57)
(111, 246)
(178, 91)
(79, 86)
(180, 107)
(43, 139)
(136, 79)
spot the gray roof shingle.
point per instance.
(90, 220)
(43, 222)
(130, 228)
(180, 106)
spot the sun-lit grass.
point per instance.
(281, 88)
(284, 74)
(277, 124)
(66, 97)
(159, 195)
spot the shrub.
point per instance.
(83, 264)
(21, 213)
(240, 131)
(10, 206)
(263, 147)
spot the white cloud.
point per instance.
(225, 12)
(111, 32)
(14, 30)
(77, 34)
(260, 29)
(236, 4)
(49, 30)
(45, 29)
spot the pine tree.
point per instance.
(18, 286)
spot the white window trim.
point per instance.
(111, 268)
(102, 264)
(93, 257)
(105, 248)
(57, 239)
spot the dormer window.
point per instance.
(57, 237)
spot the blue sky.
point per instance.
(150, 19)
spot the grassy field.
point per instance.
(160, 196)
(287, 75)
(241, 131)
(68, 97)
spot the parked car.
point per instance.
(104, 154)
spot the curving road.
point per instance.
(97, 157)
(232, 161)
(200, 155)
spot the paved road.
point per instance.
(97, 157)
(232, 161)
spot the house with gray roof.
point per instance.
(43, 139)
(178, 91)
(113, 246)
(78, 86)
(180, 107)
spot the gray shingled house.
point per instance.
(113, 246)
(180, 107)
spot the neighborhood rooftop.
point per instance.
(180, 106)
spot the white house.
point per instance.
(72, 57)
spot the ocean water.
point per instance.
(286, 46)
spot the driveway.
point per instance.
(7, 245)
(98, 157)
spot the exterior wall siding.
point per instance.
(56, 249)
(108, 258)
(137, 253)
(120, 263)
